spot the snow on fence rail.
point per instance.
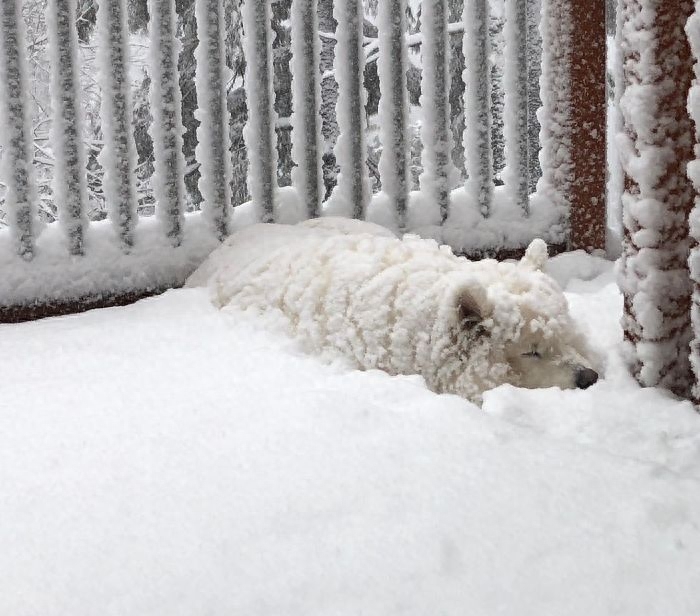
(77, 260)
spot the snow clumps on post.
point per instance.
(655, 149)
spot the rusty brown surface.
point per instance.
(588, 124)
(54, 308)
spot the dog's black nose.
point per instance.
(585, 377)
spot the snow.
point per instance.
(466, 231)
(291, 209)
(153, 263)
(473, 233)
(53, 274)
(204, 465)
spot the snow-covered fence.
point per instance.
(166, 129)
(118, 156)
(467, 211)
(70, 181)
(212, 149)
(435, 105)
(516, 89)
(477, 92)
(259, 132)
(308, 141)
(568, 207)
(20, 197)
(393, 108)
(352, 191)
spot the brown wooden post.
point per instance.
(693, 31)
(658, 145)
(572, 135)
(588, 123)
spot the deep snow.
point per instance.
(167, 458)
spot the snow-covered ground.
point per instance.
(169, 459)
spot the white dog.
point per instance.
(406, 306)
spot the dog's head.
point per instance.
(515, 327)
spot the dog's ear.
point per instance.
(535, 256)
(472, 306)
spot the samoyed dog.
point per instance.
(405, 306)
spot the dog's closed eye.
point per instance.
(534, 354)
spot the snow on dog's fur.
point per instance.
(405, 306)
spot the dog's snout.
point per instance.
(585, 377)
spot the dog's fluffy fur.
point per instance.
(404, 306)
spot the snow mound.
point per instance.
(209, 466)
(153, 263)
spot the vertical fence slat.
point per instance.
(616, 178)
(166, 129)
(573, 123)
(118, 155)
(259, 131)
(306, 119)
(212, 150)
(588, 124)
(393, 106)
(657, 146)
(516, 104)
(18, 174)
(555, 92)
(534, 70)
(350, 149)
(435, 106)
(477, 103)
(70, 179)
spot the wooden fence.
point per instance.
(570, 196)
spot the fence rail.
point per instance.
(479, 217)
